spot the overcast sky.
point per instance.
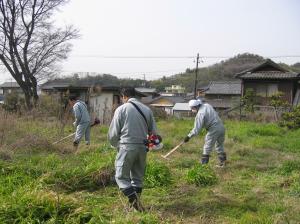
(176, 28)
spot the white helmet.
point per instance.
(195, 103)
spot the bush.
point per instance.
(249, 100)
(49, 105)
(201, 175)
(13, 102)
(159, 113)
(157, 175)
(291, 119)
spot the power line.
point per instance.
(130, 73)
(133, 57)
(174, 57)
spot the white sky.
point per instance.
(176, 28)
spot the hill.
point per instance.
(225, 70)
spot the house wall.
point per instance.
(11, 90)
(222, 101)
(103, 106)
(264, 89)
(180, 114)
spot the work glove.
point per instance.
(186, 139)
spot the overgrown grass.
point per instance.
(40, 183)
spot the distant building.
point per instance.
(181, 110)
(175, 90)
(102, 100)
(222, 94)
(165, 103)
(268, 79)
(1, 99)
(10, 87)
(152, 92)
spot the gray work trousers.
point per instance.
(83, 129)
(130, 165)
(214, 137)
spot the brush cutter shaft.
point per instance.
(70, 135)
(173, 150)
(96, 122)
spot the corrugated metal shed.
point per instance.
(181, 107)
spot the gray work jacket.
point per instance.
(128, 126)
(80, 112)
(206, 118)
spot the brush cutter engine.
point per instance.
(154, 142)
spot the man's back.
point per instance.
(129, 126)
(81, 112)
(210, 116)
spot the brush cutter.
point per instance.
(70, 135)
(173, 150)
(96, 122)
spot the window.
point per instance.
(261, 90)
(272, 89)
(266, 90)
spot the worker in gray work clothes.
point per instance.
(208, 118)
(128, 131)
(82, 120)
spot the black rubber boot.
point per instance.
(204, 159)
(138, 190)
(133, 199)
(222, 159)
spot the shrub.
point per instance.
(159, 113)
(13, 102)
(249, 100)
(277, 100)
(49, 105)
(157, 175)
(291, 119)
(201, 175)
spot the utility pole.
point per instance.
(196, 77)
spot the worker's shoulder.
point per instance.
(204, 108)
(79, 103)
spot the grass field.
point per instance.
(41, 183)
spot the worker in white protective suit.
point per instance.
(208, 118)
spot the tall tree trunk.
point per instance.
(28, 99)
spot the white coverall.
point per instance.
(208, 118)
(127, 132)
(82, 122)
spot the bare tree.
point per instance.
(30, 46)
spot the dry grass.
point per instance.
(7, 125)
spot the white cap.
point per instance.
(195, 103)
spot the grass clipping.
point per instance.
(201, 175)
(157, 175)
